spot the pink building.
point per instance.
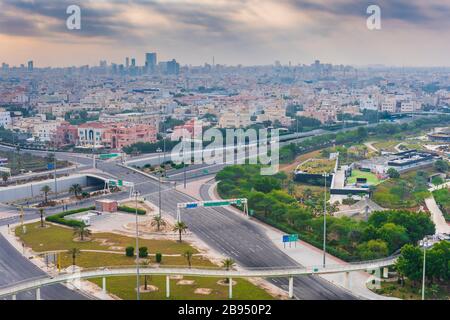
(66, 134)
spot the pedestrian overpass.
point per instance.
(278, 272)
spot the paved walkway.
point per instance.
(437, 216)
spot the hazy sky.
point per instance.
(249, 32)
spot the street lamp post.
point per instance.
(138, 295)
(424, 243)
(326, 175)
(159, 179)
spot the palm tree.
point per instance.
(158, 222)
(5, 177)
(74, 253)
(188, 255)
(45, 190)
(82, 232)
(76, 189)
(228, 264)
(146, 263)
(180, 227)
(41, 213)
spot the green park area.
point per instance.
(110, 249)
(372, 179)
(275, 200)
(409, 272)
(317, 166)
(25, 161)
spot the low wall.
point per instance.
(31, 190)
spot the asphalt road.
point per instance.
(14, 268)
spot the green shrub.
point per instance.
(140, 212)
(129, 251)
(143, 252)
(158, 257)
(59, 218)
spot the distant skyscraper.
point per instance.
(133, 62)
(173, 67)
(150, 61)
(103, 64)
(30, 65)
(127, 62)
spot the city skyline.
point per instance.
(193, 32)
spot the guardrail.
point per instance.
(275, 272)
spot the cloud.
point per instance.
(235, 31)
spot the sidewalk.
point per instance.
(308, 255)
(437, 216)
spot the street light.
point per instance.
(424, 243)
(159, 179)
(136, 195)
(325, 175)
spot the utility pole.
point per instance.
(138, 293)
(424, 243)
(325, 220)
(54, 165)
(159, 179)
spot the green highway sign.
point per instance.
(115, 183)
(109, 156)
(217, 204)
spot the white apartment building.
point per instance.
(368, 103)
(389, 105)
(5, 118)
(45, 130)
(408, 106)
(234, 120)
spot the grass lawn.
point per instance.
(317, 166)
(388, 145)
(124, 287)
(61, 238)
(96, 260)
(409, 292)
(371, 178)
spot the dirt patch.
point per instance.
(225, 283)
(116, 248)
(185, 283)
(150, 288)
(82, 241)
(105, 242)
(176, 277)
(203, 291)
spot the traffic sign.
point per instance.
(50, 166)
(109, 156)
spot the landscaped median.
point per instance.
(59, 218)
(109, 249)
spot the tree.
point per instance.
(228, 264)
(74, 253)
(143, 252)
(441, 166)
(46, 190)
(129, 251)
(188, 255)
(180, 227)
(41, 214)
(393, 174)
(158, 222)
(5, 177)
(373, 249)
(394, 235)
(409, 264)
(81, 232)
(76, 189)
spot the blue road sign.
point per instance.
(191, 205)
(286, 238)
(50, 166)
